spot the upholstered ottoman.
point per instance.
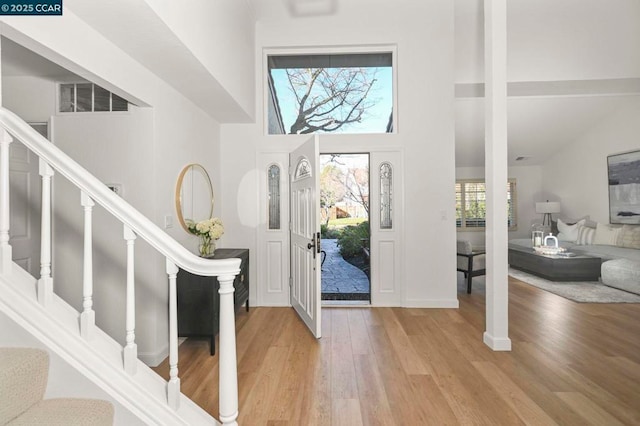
(623, 274)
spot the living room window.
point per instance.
(471, 204)
(88, 97)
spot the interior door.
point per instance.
(25, 196)
(305, 234)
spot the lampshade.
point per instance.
(548, 207)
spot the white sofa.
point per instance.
(620, 262)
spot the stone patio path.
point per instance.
(338, 275)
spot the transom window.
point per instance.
(330, 93)
(471, 205)
(89, 97)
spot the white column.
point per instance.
(45, 283)
(173, 387)
(228, 366)
(495, 32)
(88, 316)
(131, 349)
(5, 212)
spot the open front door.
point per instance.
(305, 234)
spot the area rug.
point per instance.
(578, 291)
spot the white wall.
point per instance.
(528, 191)
(423, 34)
(221, 35)
(144, 150)
(19, 93)
(577, 175)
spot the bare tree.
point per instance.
(357, 187)
(332, 188)
(329, 98)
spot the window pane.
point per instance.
(67, 97)
(118, 103)
(458, 205)
(101, 99)
(472, 195)
(83, 92)
(386, 196)
(303, 169)
(511, 205)
(274, 197)
(340, 93)
(475, 204)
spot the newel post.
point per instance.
(228, 365)
(5, 248)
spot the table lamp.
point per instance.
(546, 208)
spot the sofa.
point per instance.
(617, 246)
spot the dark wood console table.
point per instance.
(556, 268)
(199, 301)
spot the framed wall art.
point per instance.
(624, 187)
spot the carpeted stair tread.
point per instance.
(23, 380)
(67, 412)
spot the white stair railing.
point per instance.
(88, 315)
(131, 349)
(135, 225)
(5, 248)
(45, 283)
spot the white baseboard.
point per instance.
(496, 343)
(153, 359)
(270, 305)
(431, 303)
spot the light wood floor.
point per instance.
(571, 364)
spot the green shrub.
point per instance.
(328, 233)
(351, 239)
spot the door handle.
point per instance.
(315, 243)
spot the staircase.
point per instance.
(23, 380)
(133, 388)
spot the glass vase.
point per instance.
(206, 247)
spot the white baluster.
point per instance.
(88, 316)
(173, 387)
(45, 283)
(5, 248)
(131, 349)
(228, 364)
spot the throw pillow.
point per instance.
(568, 221)
(585, 235)
(629, 236)
(606, 235)
(567, 232)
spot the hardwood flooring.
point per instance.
(571, 364)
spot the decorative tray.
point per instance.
(549, 250)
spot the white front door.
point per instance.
(305, 234)
(25, 200)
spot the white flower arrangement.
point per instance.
(208, 230)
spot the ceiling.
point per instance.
(18, 61)
(571, 64)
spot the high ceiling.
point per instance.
(571, 64)
(18, 61)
